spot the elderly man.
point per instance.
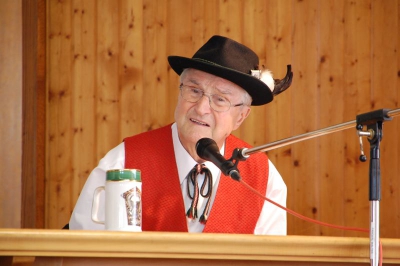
(181, 191)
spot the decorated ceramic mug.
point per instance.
(123, 201)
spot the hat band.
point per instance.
(206, 61)
(215, 64)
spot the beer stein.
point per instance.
(123, 201)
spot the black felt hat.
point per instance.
(235, 62)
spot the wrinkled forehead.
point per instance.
(206, 80)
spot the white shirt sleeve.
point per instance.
(81, 217)
(272, 220)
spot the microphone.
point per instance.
(207, 149)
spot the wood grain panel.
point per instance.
(181, 20)
(357, 87)
(60, 93)
(385, 90)
(278, 114)
(205, 23)
(277, 55)
(330, 72)
(305, 185)
(131, 68)
(230, 18)
(83, 100)
(154, 64)
(41, 114)
(267, 24)
(255, 14)
(107, 76)
(61, 247)
(29, 124)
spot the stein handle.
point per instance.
(95, 205)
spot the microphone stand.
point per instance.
(373, 122)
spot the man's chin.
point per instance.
(194, 138)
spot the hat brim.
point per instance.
(258, 90)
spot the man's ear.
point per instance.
(244, 113)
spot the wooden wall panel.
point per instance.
(231, 18)
(154, 64)
(330, 72)
(33, 118)
(107, 75)
(185, 29)
(41, 113)
(255, 15)
(204, 23)
(305, 184)
(83, 100)
(385, 89)
(109, 78)
(131, 66)
(277, 55)
(59, 114)
(356, 100)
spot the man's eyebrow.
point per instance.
(225, 91)
(194, 81)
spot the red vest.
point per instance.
(235, 209)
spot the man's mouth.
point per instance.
(199, 122)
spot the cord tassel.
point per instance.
(192, 179)
(205, 191)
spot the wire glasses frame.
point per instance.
(217, 102)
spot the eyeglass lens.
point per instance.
(193, 94)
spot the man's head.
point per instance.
(199, 112)
(217, 86)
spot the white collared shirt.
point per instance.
(272, 220)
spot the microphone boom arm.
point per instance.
(242, 154)
(245, 152)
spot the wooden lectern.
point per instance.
(72, 247)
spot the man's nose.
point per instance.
(204, 103)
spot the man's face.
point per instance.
(198, 120)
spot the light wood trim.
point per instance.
(10, 112)
(63, 243)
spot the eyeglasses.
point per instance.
(217, 102)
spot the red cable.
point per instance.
(312, 220)
(301, 216)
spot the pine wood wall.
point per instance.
(108, 78)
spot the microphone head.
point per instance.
(208, 150)
(203, 145)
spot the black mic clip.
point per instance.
(237, 155)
